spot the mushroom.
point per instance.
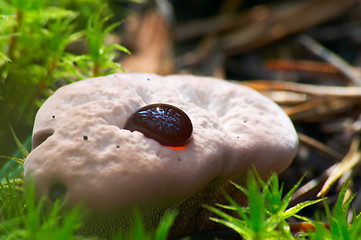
(155, 142)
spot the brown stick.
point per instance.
(344, 68)
(264, 85)
(311, 142)
(282, 21)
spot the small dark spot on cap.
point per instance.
(118, 146)
(148, 79)
(237, 136)
(85, 137)
(53, 116)
(179, 159)
(245, 121)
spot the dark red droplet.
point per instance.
(166, 124)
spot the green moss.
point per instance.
(34, 57)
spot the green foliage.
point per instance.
(24, 217)
(339, 227)
(12, 167)
(35, 36)
(266, 213)
(24, 152)
(139, 231)
(101, 55)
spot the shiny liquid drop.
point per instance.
(166, 124)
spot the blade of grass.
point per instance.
(21, 147)
(165, 225)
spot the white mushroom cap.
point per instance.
(234, 127)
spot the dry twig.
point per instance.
(352, 158)
(332, 58)
(316, 90)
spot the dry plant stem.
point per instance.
(305, 66)
(263, 24)
(311, 142)
(298, 227)
(286, 98)
(300, 65)
(265, 85)
(334, 59)
(352, 158)
(282, 21)
(319, 108)
(215, 25)
(310, 189)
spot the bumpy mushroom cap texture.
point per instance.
(82, 151)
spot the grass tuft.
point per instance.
(267, 210)
(338, 227)
(22, 216)
(42, 46)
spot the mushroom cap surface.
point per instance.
(79, 140)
